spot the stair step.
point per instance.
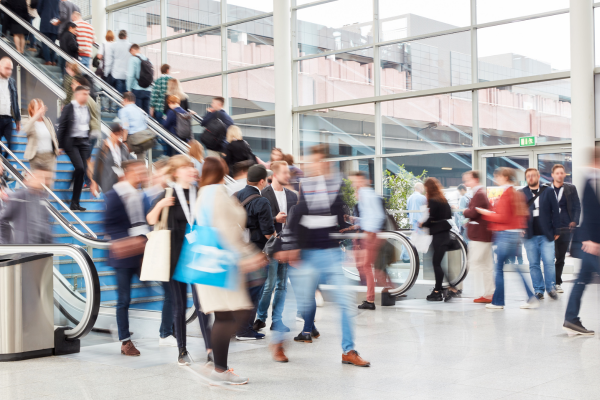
(133, 286)
(139, 300)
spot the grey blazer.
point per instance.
(104, 175)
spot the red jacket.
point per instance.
(479, 232)
(505, 216)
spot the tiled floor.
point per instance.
(418, 350)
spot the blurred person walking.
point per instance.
(480, 255)
(10, 111)
(507, 219)
(240, 176)
(157, 101)
(296, 173)
(48, 10)
(570, 212)
(232, 308)
(85, 38)
(459, 218)
(140, 75)
(215, 121)
(108, 168)
(68, 44)
(124, 222)
(439, 229)
(543, 228)
(116, 62)
(135, 128)
(237, 149)
(197, 155)
(42, 145)
(318, 214)
(178, 121)
(414, 203)
(19, 7)
(174, 89)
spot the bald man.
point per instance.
(9, 103)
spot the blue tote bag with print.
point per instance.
(203, 259)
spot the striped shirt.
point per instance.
(85, 38)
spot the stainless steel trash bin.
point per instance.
(26, 306)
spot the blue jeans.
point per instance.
(47, 54)
(276, 279)
(317, 264)
(142, 99)
(540, 248)
(507, 244)
(166, 322)
(590, 264)
(124, 277)
(120, 85)
(85, 60)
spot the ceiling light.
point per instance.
(447, 168)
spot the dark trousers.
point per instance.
(142, 99)
(48, 54)
(78, 152)
(166, 322)
(204, 321)
(120, 85)
(590, 265)
(124, 277)
(179, 301)
(226, 323)
(255, 294)
(6, 129)
(561, 245)
(439, 243)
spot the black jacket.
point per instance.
(68, 44)
(292, 200)
(65, 126)
(260, 220)
(439, 214)
(590, 225)
(549, 215)
(237, 151)
(573, 203)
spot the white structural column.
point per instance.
(582, 86)
(283, 74)
(99, 19)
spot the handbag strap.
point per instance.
(163, 223)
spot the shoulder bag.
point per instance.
(157, 257)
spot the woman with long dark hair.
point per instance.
(439, 229)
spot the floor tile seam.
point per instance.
(528, 390)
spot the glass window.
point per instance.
(494, 10)
(426, 64)
(427, 123)
(201, 92)
(142, 21)
(84, 7)
(260, 135)
(540, 109)
(239, 9)
(250, 43)
(534, 47)
(337, 77)
(152, 51)
(252, 91)
(336, 25)
(195, 55)
(366, 165)
(191, 15)
(349, 131)
(518, 162)
(400, 19)
(547, 161)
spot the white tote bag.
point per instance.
(157, 256)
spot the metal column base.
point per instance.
(26, 355)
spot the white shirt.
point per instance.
(4, 97)
(281, 201)
(44, 140)
(81, 127)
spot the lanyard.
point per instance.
(184, 206)
(559, 195)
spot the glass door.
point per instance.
(519, 160)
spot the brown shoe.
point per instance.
(278, 354)
(128, 349)
(353, 358)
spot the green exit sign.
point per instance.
(527, 141)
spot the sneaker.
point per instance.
(450, 295)
(531, 303)
(576, 328)
(366, 305)
(352, 357)
(168, 341)
(299, 317)
(128, 349)
(226, 378)
(315, 334)
(279, 327)
(278, 353)
(559, 289)
(553, 295)
(258, 325)
(483, 300)
(539, 296)
(303, 337)
(435, 296)
(250, 335)
(184, 357)
(493, 306)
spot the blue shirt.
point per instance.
(133, 119)
(133, 73)
(370, 208)
(415, 201)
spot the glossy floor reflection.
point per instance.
(418, 350)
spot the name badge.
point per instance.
(536, 213)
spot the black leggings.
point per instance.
(439, 242)
(226, 324)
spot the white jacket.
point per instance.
(117, 59)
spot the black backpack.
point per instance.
(214, 134)
(146, 73)
(183, 127)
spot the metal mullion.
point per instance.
(295, 71)
(190, 33)
(424, 36)
(597, 4)
(523, 18)
(475, 137)
(125, 4)
(436, 91)
(378, 162)
(513, 148)
(193, 78)
(314, 3)
(248, 19)
(149, 42)
(332, 52)
(250, 67)
(351, 158)
(224, 86)
(254, 115)
(163, 30)
(425, 152)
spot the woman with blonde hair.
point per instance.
(174, 89)
(42, 144)
(197, 155)
(237, 149)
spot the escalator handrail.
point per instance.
(177, 144)
(90, 276)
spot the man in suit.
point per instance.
(74, 127)
(481, 259)
(281, 201)
(125, 218)
(589, 235)
(9, 103)
(570, 211)
(542, 231)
